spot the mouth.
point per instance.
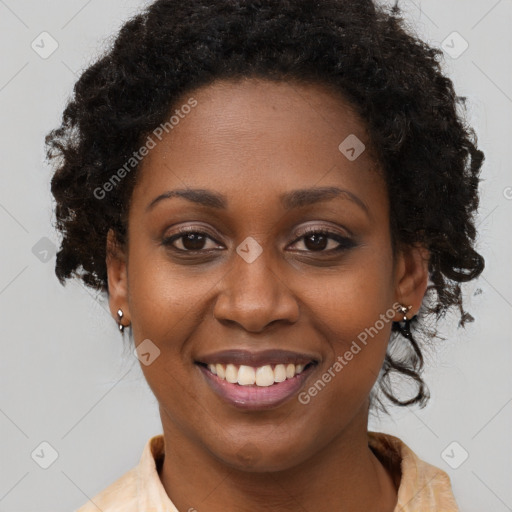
(261, 376)
(256, 381)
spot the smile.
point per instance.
(254, 396)
(262, 376)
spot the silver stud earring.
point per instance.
(405, 329)
(120, 317)
(404, 310)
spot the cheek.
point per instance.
(166, 300)
(353, 310)
(353, 296)
(166, 306)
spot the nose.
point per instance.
(253, 296)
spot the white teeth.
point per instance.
(221, 370)
(246, 375)
(262, 376)
(231, 373)
(279, 373)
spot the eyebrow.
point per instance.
(199, 196)
(290, 200)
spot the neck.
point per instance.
(352, 478)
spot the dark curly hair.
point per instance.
(363, 51)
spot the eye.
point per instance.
(190, 240)
(322, 240)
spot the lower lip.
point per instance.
(256, 397)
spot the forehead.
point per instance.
(256, 135)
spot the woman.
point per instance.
(275, 196)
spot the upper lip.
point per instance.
(261, 358)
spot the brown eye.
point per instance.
(316, 241)
(323, 241)
(190, 241)
(193, 241)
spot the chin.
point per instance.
(260, 458)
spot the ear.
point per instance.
(411, 278)
(117, 278)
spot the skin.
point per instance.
(253, 141)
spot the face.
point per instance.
(258, 249)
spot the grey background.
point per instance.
(64, 378)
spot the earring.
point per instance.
(405, 329)
(120, 317)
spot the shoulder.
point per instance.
(422, 486)
(120, 496)
(138, 489)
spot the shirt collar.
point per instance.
(151, 494)
(422, 486)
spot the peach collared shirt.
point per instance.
(423, 487)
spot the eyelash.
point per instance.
(344, 242)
